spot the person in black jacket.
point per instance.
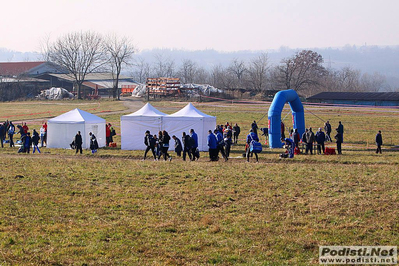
(164, 142)
(339, 139)
(187, 143)
(93, 143)
(378, 141)
(2, 133)
(35, 141)
(78, 142)
(178, 145)
(236, 133)
(296, 138)
(150, 142)
(320, 138)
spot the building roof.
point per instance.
(23, 80)
(89, 77)
(356, 96)
(77, 116)
(17, 68)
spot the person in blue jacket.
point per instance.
(194, 151)
(212, 144)
(27, 142)
(290, 146)
(220, 144)
(250, 137)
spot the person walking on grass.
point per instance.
(42, 134)
(11, 132)
(227, 141)
(107, 135)
(150, 142)
(236, 133)
(178, 146)
(338, 138)
(220, 144)
(78, 143)
(320, 138)
(340, 130)
(327, 129)
(296, 138)
(164, 142)
(187, 141)
(309, 141)
(251, 137)
(212, 144)
(45, 133)
(2, 133)
(194, 147)
(35, 141)
(93, 143)
(378, 142)
(27, 142)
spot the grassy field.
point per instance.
(113, 209)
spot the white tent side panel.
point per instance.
(61, 135)
(133, 130)
(98, 129)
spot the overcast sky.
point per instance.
(223, 25)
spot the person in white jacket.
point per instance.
(42, 135)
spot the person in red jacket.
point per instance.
(107, 134)
(45, 133)
(25, 128)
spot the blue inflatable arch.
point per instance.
(274, 115)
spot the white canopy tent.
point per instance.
(134, 126)
(62, 129)
(190, 118)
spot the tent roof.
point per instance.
(190, 111)
(147, 110)
(76, 116)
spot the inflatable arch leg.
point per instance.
(274, 115)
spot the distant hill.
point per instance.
(368, 59)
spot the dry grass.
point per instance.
(113, 209)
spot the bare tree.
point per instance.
(164, 67)
(142, 70)
(257, 71)
(303, 69)
(188, 71)
(119, 52)
(348, 79)
(238, 69)
(80, 53)
(373, 83)
(202, 76)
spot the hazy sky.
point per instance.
(224, 25)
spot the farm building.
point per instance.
(28, 69)
(357, 98)
(103, 82)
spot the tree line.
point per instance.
(305, 72)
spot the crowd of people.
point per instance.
(26, 139)
(219, 141)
